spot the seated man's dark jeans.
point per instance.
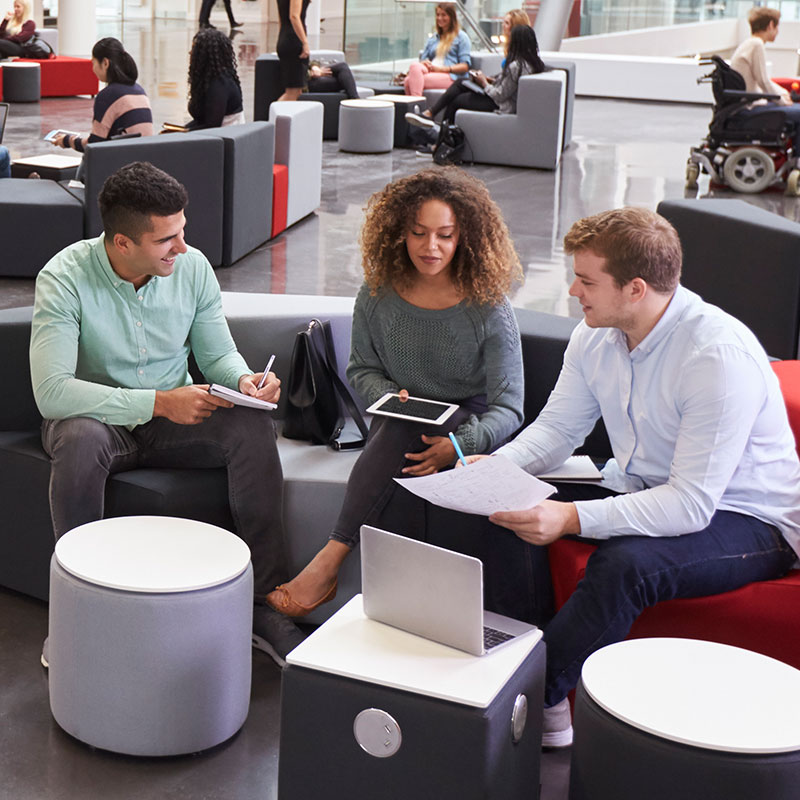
(84, 452)
(625, 575)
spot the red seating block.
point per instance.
(280, 197)
(65, 76)
(763, 616)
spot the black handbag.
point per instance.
(451, 146)
(316, 392)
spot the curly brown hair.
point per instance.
(485, 264)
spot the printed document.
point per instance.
(483, 487)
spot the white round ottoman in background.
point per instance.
(150, 634)
(366, 126)
(680, 718)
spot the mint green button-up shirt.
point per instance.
(101, 349)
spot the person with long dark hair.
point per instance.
(122, 107)
(215, 93)
(431, 320)
(498, 93)
(293, 49)
(445, 57)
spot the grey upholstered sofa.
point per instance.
(314, 476)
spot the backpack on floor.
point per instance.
(451, 146)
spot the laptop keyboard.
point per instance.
(492, 637)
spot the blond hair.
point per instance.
(760, 18)
(446, 37)
(517, 16)
(15, 27)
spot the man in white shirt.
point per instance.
(703, 492)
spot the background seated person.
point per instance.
(335, 77)
(215, 93)
(499, 92)
(122, 106)
(750, 61)
(702, 495)
(114, 321)
(15, 29)
(445, 57)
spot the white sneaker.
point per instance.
(419, 120)
(557, 725)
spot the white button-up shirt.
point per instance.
(696, 420)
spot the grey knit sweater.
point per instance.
(450, 354)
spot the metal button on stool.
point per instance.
(22, 82)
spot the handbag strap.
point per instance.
(344, 393)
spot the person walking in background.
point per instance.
(293, 50)
(205, 13)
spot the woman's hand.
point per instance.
(59, 140)
(429, 65)
(479, 78)
(440, 453)
(9, 16)
(305, 52)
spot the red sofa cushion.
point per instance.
(65, 76)
(280, 198)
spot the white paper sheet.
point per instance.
(489, 485)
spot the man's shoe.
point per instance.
(235, 24)
(557, 725)
(275, 634)
(419, 120)
(45, 656)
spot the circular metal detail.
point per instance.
(519, 716)
(377, 732)
(748, 170)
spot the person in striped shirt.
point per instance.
(122, 107)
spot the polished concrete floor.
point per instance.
(622, 153)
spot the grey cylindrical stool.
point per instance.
(366, 126)
(150, 634)
(22, 82)
(672, 718)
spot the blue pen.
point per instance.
(458, 450)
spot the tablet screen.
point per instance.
(414, 408)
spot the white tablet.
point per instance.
(415, 409)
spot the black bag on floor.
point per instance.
(316, 392)
(451, 146)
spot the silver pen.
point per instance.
(266, 371)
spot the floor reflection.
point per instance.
(623, 153)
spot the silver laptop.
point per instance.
(431, 592)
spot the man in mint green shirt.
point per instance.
(114, 321)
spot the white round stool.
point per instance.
(671, 718)
(150, 634)
(366, 126)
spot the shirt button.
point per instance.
(138, 324)
(141, 372)
(141, 297)
(139, 420)
(144, 349)
(103, 419)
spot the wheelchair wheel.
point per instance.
(692, 174)
(748, 170)
(793, 184)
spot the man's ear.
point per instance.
(122, 243)
(637, 290)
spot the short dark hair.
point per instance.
(635, 242)
(133, 194)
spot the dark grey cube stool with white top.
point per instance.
(667, 718)
(371, 711)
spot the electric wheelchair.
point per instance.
(746, 154)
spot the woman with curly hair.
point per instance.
(122, 107)
(446, 55)
(215, 94)
(432, 320)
